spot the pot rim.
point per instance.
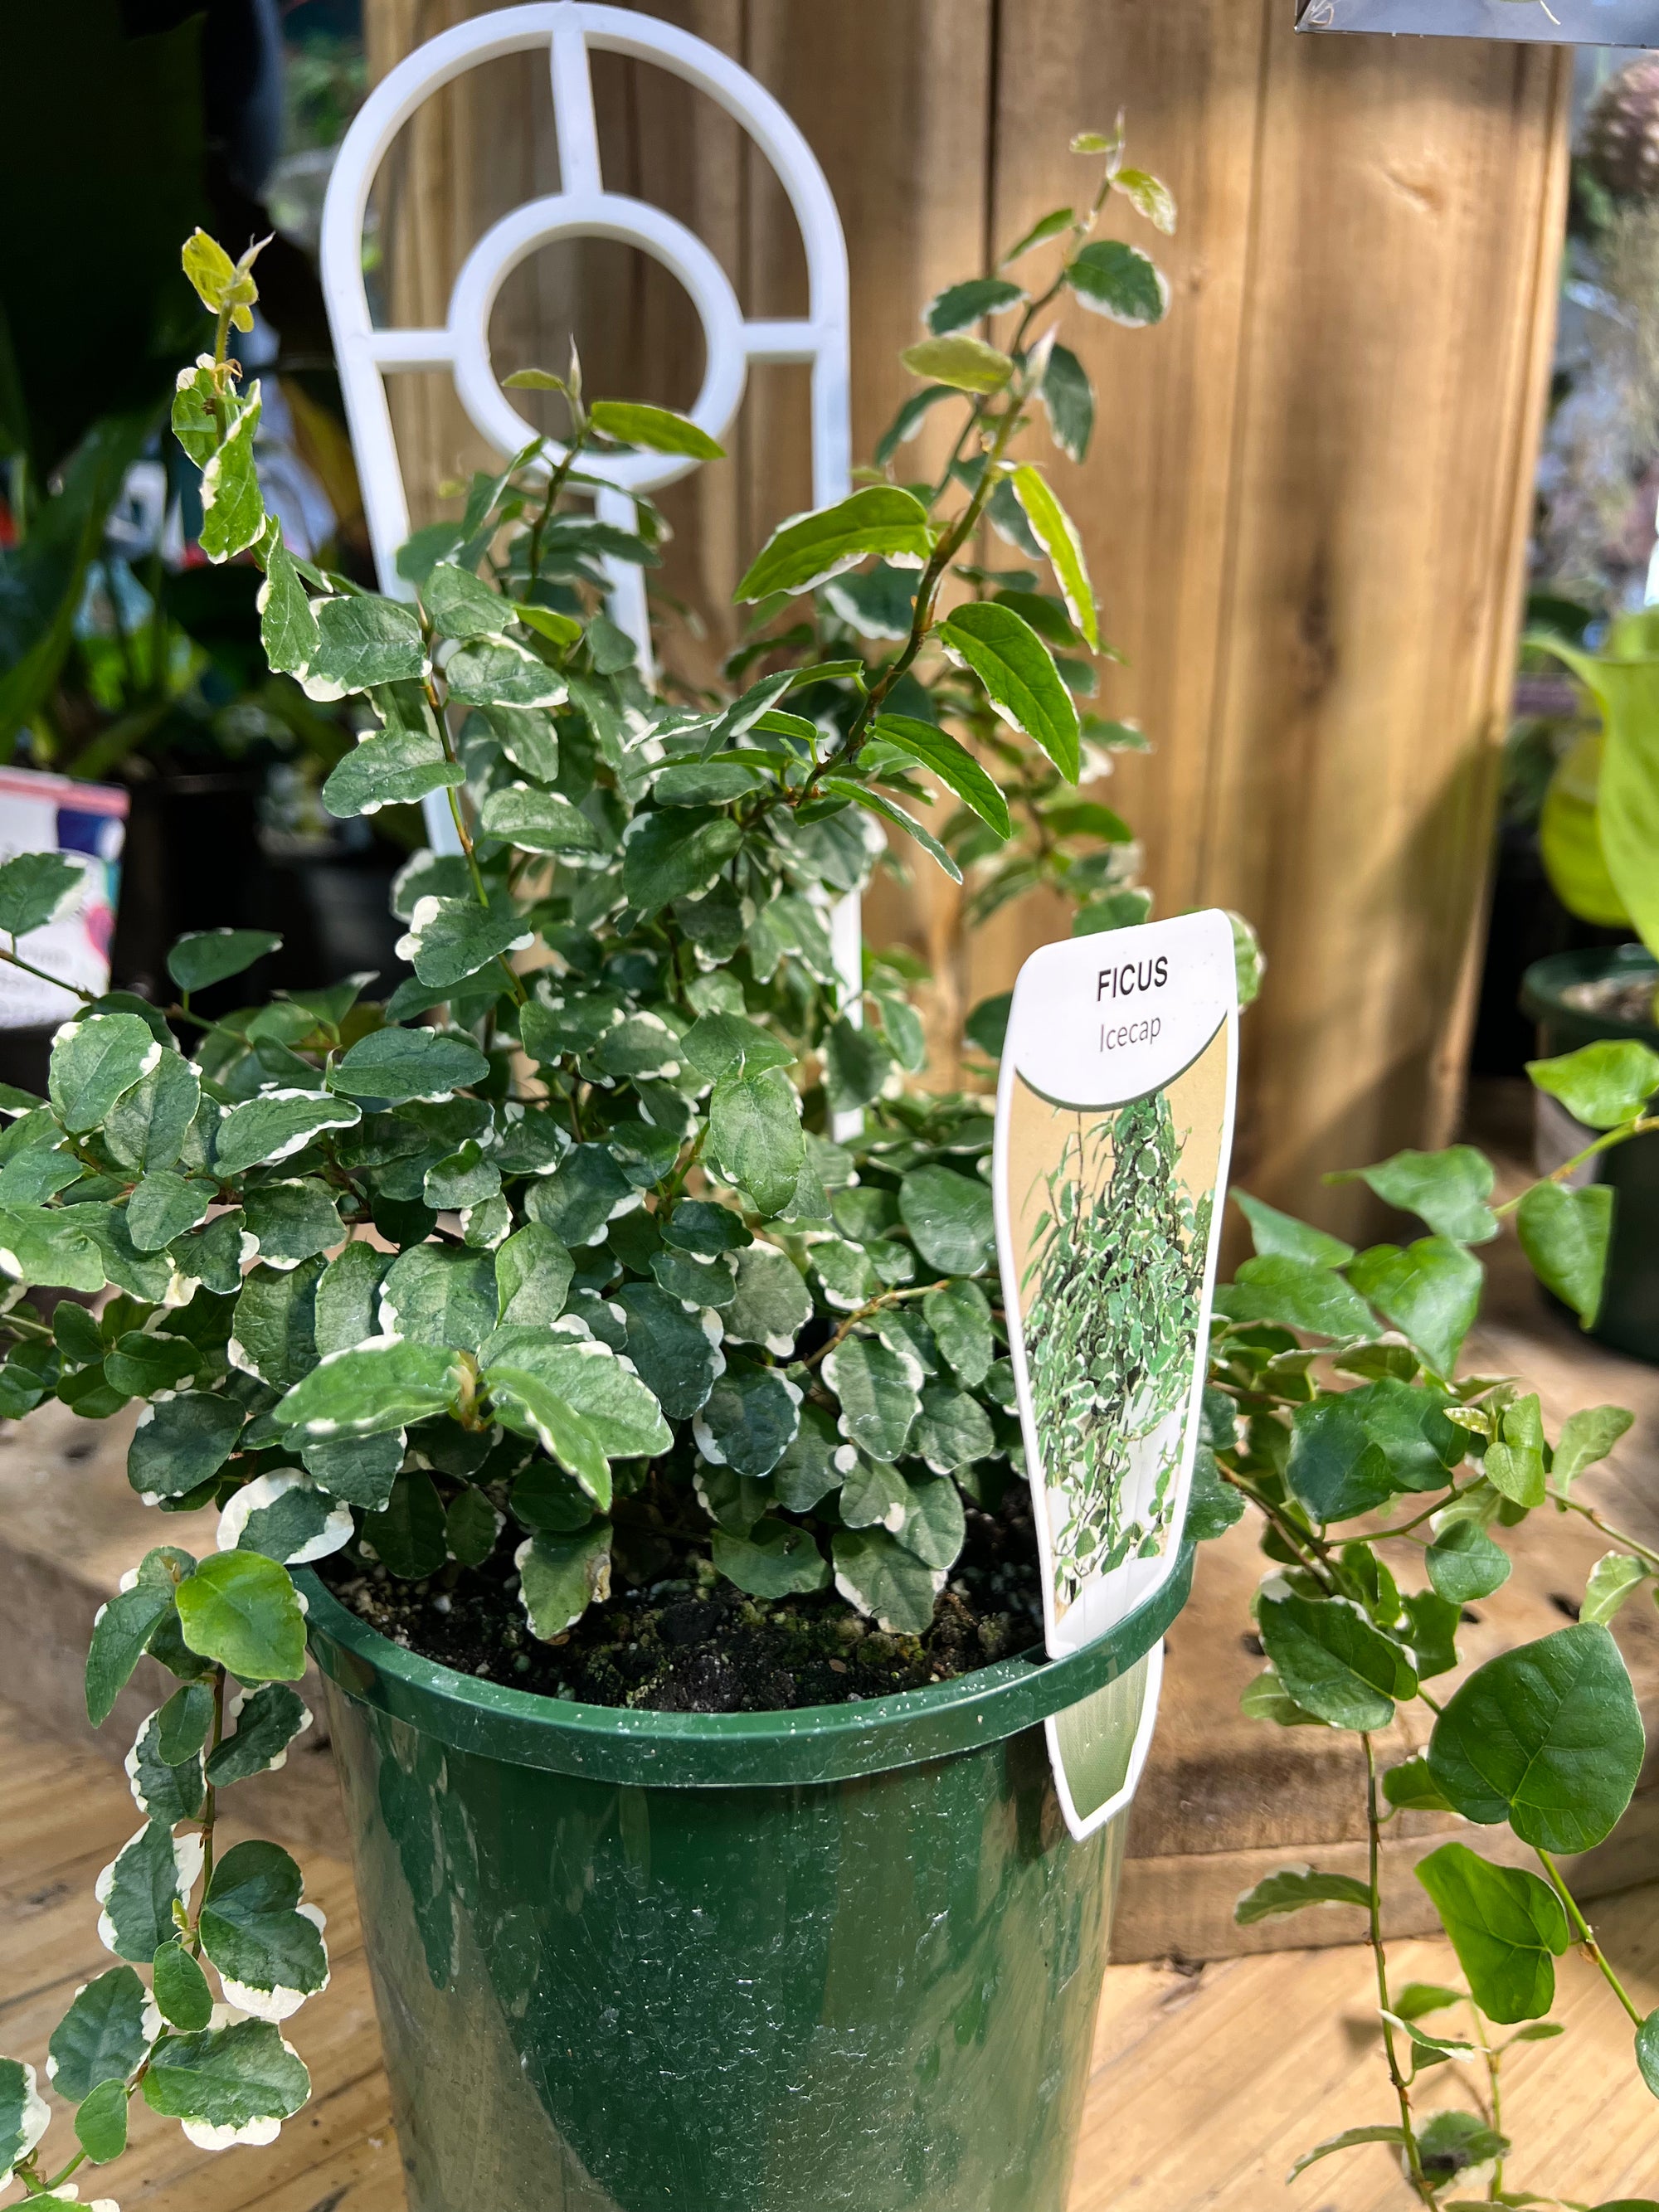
(805, 1744)
(1542, 984)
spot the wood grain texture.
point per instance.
(1306, 503)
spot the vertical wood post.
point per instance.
(1306, 504)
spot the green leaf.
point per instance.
(210, 955)
(1565, 1234)
(471, 1525)
(875, 1573)
(1447, 1189)
(1045, 227)
(1410, 1786)
(388, 767)
(671, 1348)
(960, 306)
(880, 1395)
(560, 1577)
(1120, 282)
(1407, 1422)
(269, 1954)
(1647, 2058)
(1514, 1464)
(772, 1303)
(528, 1403)
(451, 939)
(138, 1889)
(226, 2084)
(959, 1315)
(1587, 1437)
(24, 2115)
(1465, 1564)
(233, 506)
(1056, 534)
(1020, 680)
(1333, 1663)
(408, 1535)
(1431, 1290)
(140, 1361)
(1612, 1580)
(749, 1421)
(951, 761)
(718, 1044)
(274, 1322)
(288, 627)
(1547, 1737)
(949, 1218)
(1292, 1888)
(365, 640)
(1068, 400)
(588, 1190)
(1149, 195)
(1350, 2139)
(538, 822)
(954, 1430)
(268, 1723)
(857, 1062)
(101, 2037)
(532, 1275)
(775, 1559)
(460, 605)
(965, 363)
(655, 429)
(100, 2125)
(500, 673)
(182, 1442)
(32, 887)
(805, 551)
(436, 1295)
(1336, 1469)
(876, 802)
(291, 1219)
(1602, 1085)
(183, 1995)
(376, 1387)
(275, 1125)
(1506, 1926)
(123, 1631)
(603, 1390)
(147, 1126)
(240, 1610)
(93, 1062)
(755, 1140)
(398, 1066)
(674, 853)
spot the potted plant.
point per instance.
(1600, 838)
(638, 1461)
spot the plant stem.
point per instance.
(1598, 1957)
(1614, 1535)
(1401, 2089)
(876, 1305)
(210, 1804)
(1494, 2060)
(1621, 1135)
(28, 968)
(1306, 1547)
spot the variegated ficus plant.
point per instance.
(543, 1285)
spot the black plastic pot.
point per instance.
(1629, 1319)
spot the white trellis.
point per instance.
(366, 354)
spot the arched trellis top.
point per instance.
(570, 30)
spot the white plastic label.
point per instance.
(1115, 1123)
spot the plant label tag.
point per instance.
(1115, 1124)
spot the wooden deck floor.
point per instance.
(1206, 2084)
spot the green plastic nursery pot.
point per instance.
(840, 1959)
(1629, 1319)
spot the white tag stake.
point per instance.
(1115, 1123)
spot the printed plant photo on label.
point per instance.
(1112, 1217)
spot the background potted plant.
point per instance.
(1600, 838)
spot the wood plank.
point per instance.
(1407, 230)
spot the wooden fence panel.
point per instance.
(1306, 502)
